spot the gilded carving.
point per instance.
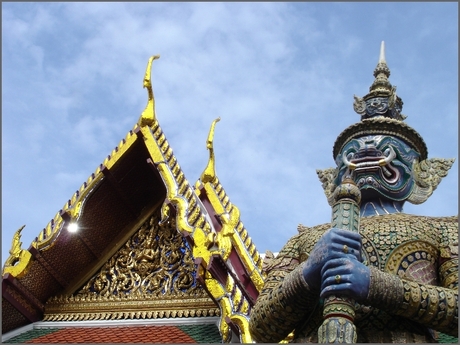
(19, 259)
(155, 260)
(151, 276)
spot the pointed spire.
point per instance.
(381, 99)
(381, 73)
(382, 53)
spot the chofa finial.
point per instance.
(209, 172)
(148, 115)
(19, 258)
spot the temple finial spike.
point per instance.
(382, 53)
(148, 115)
(209, 172)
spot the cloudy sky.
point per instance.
(280, 75)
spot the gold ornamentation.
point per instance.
(448, 273)
(345, 249)
(359, 105)
(19, 259)
(155, 260)
(402, 257)
(72, 308)
(337, 278)
(430, 305)
(148, 115)
(294, 301)
(151, 276)
(191, 219)
(209, 172)
(232, 236)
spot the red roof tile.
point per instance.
(128, 334)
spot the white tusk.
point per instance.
(350, 165)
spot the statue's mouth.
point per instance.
(372, 160)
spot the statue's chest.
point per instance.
(401, 250)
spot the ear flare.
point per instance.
(427, 176)
(327, 177)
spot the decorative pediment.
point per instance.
(152, 276)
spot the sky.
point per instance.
(281, 76)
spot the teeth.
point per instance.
(391, 154)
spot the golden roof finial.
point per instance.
(148, 115)
(209, 172)
(16, 243)
(19, 258)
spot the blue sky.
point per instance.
(280, 75)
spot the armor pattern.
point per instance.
(285, 299)
(402, 303)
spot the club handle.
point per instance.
(338, 312)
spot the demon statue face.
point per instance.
(380, 165)
(386, 158)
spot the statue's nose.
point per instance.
(368, 151)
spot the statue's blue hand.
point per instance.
(335, 243)
(345, 276)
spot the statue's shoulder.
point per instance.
(308, 236)
(411, 220)
(440, 231)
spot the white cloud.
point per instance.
(280, 75)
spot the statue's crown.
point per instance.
(380, 112)
(381, 99)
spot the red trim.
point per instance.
(218, 268)
(212, 213)
(244, 279)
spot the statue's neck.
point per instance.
(377, 207)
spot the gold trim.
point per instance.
(209, 172)
(232, 235)
(233, 229)
(398, 254)
(19, 259)
(139, 307)
(75, 205)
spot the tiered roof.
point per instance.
(148, 246)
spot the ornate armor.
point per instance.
(406, 298)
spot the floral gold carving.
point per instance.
(153, 275)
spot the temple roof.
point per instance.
(158, 334)
(137, 241)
